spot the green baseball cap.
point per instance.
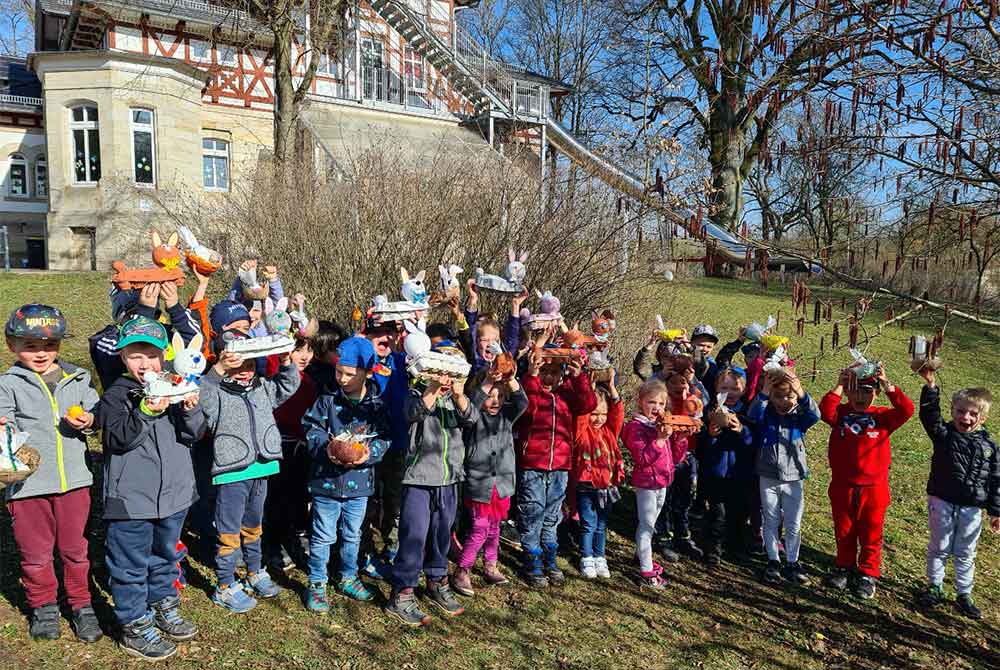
(142, 329)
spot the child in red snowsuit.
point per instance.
(860, 455)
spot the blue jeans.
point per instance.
(540, 495)
(328, 516)
(593, 522)
(141, 555)
(239, 515)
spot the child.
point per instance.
(437, 414)
(727, 461)
(545, 436)
(782, 413)
(341, 490)
(703, 341)
(860, 455)
(49, 509)
(246, 448)
(490, 474)
(964, 478)
(598, 470)
(148, 488)
(653, 471)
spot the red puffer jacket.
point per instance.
(546, 431)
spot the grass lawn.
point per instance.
(726, 619)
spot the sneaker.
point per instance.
(85, 624)
(933, 596)
(510, 536)
(772, 573)
(687, 547)
(354, 588)
(461, 581)
(262, 585)
(601, 565)
(281, 561)
(588, 567)
(668, 554)
(234, 598)
(838, 579)
(45, 622)
(440, 594)
(653, 579)
(315, 597)
(492, 574)
(167, 617)
(968, 608)
(142, 638)
(795, 572)
(403, 606)
(865, 588)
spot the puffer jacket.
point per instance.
(332, 414)
(965, 467)
(489, 449)
(652, 457)
(597, 460)
(730, 454)
(781, 438)
(241, 423)
(546, 431)
(436, 453)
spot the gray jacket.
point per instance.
(147, 459)
(489, 448)
(25, 401)
(781, 438)
(241, 423)
(435, 455)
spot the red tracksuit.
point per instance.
(860, 456)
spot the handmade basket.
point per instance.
(29, 457)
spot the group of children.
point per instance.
(336, 440)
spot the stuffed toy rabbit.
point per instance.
(413, 287)
(277, 318)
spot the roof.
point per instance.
(17, 79)
(556, 87)
(196, 11)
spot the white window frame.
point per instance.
(86, 125)
(411, 59)
(41, 185)
(215, 153)
(12, 161)
(329, 63)
(138, 127)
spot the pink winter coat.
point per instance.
(652, 458)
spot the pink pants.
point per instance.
(485, 535)
(43, 524)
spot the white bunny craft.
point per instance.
(450, 286)
(422, 361)
(303, 325)
(276, 317)
(253, 289)
(188, 364)
(513, 279)
(413, 306)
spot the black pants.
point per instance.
(729, 507)
(286, 511)
(673, 520)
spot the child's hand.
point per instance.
(286, 360)
(458, 387)
(534, 362)
(883, 378)
(149, 295)
(714, 429)
(472, 302)
(844, 379)
(995, 524)
(517, 301)
(574, 367)
(202, 279)
(664, 431)
(796, 384)
(454, 307)
(157, 405)
(168, 291)
(734, 423)
(79, 421)
(190, 401)
(927, 375)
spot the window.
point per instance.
(227, 54)
(143, 146)
(329, 63)
(215, 164)
(413, 70)
(86, 145)
(371, 68)
(41, 178)
(17, 176)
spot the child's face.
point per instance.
(242, 326)
(860, 399)
(351, 379)
(384, 340)
(599, 416)
(703, 344)
(487, 336)
(784, 400)
(733, 387)
(36, 355)
(967, 416)
(245, 373)
(494, 402)
(302, 357)
(677, 386)
(551, 376)
(140, 358)
(652, 405)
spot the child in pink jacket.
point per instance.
(652, 474)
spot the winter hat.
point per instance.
(356, 352)
(36, 322)
(225, 313)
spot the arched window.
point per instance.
(17, 176)
(86, 137)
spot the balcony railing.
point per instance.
(20, 100)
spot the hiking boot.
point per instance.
(968, 608)
(262, 585)
(403, 606)
(552, 571)
(378, 567)
(772, 573)
(167, 617)
(532, 565)
(865, 588)
(440, 594)
(281, 561)
(492, 574)
(601, 566)
(713, 558)
(932, 597)
(85, 624)
(510, 536)
(461, 581)
(796, 573)
(142, 638)
(686, 547)
(653, 579)
(838, 579)
(588, 567)
(45, 622)
(315, 598)
(667, 553)
(354, 588)
(234, 598)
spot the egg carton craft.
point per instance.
(503, 362)
(755, 331)
(401, 310)
(422, 361)
(264, 345)
(17, 461)
(549, 314)
(923, 353)
(513, 277)
(350, 446)
(679, 422)
(198, 257)
(166, 266)
(862, 368)
(668, 334)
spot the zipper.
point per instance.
(552, 438)
(55, 423)
(253, 424)
(444, 454)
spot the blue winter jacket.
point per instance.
(394, 388)
(730, 454)
(781, 438)
(332, 413)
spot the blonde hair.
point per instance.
(980, 398)
(651, 386)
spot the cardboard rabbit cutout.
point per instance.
(514, 275)
(166, 260)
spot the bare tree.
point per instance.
(17, 26)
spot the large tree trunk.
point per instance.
(285, 109)
(726, 159)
